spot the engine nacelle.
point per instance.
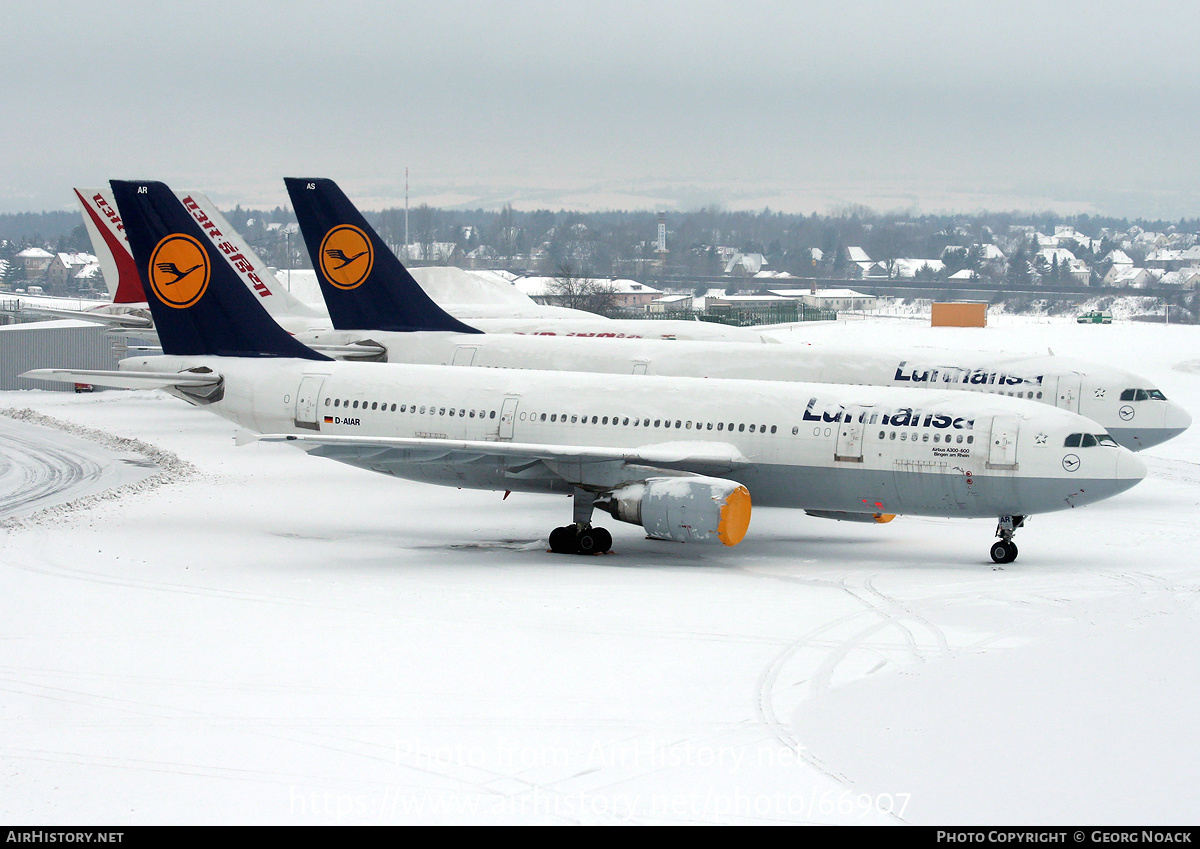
(686, 509)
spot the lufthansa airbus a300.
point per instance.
(373, 297)
(681, 457)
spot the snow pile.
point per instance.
(172, 467)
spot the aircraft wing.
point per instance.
(125, 379)
(698, 457)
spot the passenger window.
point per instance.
(543, 416)
(1073, 440)
(689, 424)
(937, 437)
(970, 439)
(741, 428)
(356, 405)
(337, 402)
(772, 428)
(881, 433)
(452, 411)
(492, 414)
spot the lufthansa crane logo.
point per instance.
(179, 271)
(346, 256)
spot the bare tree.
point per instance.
(573, 288)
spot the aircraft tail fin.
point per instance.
(199, 303)
(365, 285)
(107, 233)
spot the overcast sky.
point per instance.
(804, 107)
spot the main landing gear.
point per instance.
(1005, 551)
(581, 537)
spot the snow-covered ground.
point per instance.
(280, 639)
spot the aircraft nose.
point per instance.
(1130, 467)
(1178, 419)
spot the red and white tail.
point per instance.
(107, 232)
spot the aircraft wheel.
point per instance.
(603, 540)
(588, 541)
(1004, 551)
(562, 540)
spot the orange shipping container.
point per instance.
(959, 315)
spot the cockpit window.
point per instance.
(1143, 395)
(1089, 440)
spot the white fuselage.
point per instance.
(1092, 390)
(865, 450)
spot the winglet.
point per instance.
(365, 285)
(199, 303)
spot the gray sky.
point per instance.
(926, 105)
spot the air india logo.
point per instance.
(179, 271)
(346, 256)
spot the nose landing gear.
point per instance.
(1005, 551)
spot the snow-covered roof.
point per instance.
(35, 253)
(1119, 257)
(857, 255)
(839, 293)
(1060, 254)
(75, 258)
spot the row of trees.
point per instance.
(608, 244)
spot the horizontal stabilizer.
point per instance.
(125, 379)
(124, 321)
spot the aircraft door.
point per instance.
(849, 447)
(307, 397)
(508, 417)
(464, 355)
(1002, 450)
(1070, 387)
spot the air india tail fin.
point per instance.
(365, 285)
(199, 303)
(107, 232)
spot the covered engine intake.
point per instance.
(686, 509)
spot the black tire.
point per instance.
(1000, 552)
(603, 540)
(1012, 551)
(562, 540)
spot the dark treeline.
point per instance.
(604, 243)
